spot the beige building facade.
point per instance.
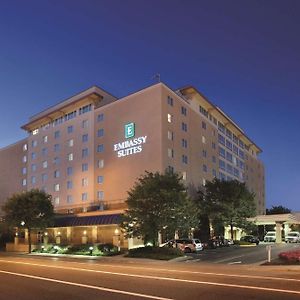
(88, 150)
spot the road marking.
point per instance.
(86, 286)
(234, 262)
(159, 278)
(174, 271)
(228, 258)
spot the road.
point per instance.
(241, 255)
(29, 277)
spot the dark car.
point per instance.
(250, 239)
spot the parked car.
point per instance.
(270, 236)
(185, 245)
(292, 237)
(250, 239)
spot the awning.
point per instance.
(70, 221)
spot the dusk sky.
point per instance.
(243, 55)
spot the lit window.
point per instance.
(45, 139)
(56, 200)
(24, 159)
(100, 179)
(203, 139)
(183, 175)
(100, 163)
(45, 164)
(70, 156)
(56, 187)
(34, 132)
(169, 118)
(25, 147)
(170, 153)
(84, 182)
(71, 143)
(203, 181)
(24, 182)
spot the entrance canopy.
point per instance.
(292, 218)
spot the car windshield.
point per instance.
(293, 234)
(271, 233)
(197, 241)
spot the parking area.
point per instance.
(240, 254)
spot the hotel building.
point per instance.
(88, 151)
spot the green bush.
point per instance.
(161, 253)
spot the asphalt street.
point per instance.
(28, 277)
(241, 255)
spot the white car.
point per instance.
(292, 237)
(186, 245)
(270, 236)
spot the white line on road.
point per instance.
(86, 286)
(161, 278)
(234, 262)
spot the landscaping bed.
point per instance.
(160, 253)
(286, 258)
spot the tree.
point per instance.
(32, 210)
(274, 210)
(158, 202)
(227, 203)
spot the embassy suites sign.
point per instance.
(132, 144)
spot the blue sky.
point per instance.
(243, 55)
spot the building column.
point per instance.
(26, 236)
(69, 234)
(159, 238)
(278, 232)
(286, 229)
(95, 234)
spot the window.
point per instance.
(85, 152)
(45, 164)
(214, 159)
(56, 160)
(204, 153)
(44, 151)
(170, 101)
(33, 180)
(184, 159)
(24, 182)
(100, 148)
(100, 132)
(221, 139)
(85, 124)
(84, 167)
(235, 139)
(213, 145)
(56, 173)
(100, 179)
(56, 187)
(71, 143)
(184, 143)
(56, 200)
(204, 168)
(203, 125)
(100, 195)
(229, 169)
(221, 127)
(222, 176)
(85, 109)
(70, 157)
(170, 169)
(184, 175)
(229, 156)
(222, 152)
(184, 126)
(214, 173)
(100, 163)
(235, 150)
(69, 184)
(70, 129)
(84, 196)
(85, 138)
(170, 153)
(35, 131)
(183, 110)
(33, 143)
(169, 118)
(33, 155)
(24, 159)
(56, 147)
(69, 199)
(228, 144)
(24, 171)
(100, 118)
(203, 111)
(222, 164)
(228, 133)
(69, 171)
(25, 147)
(241, 144)
(236, 172)
(84, 182)
(70, 115)
(241, 154)
(57, 134)
(44, 177)
(170, 135)
(33, 167)
(203, 139)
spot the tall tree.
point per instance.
(227, 202)
(32, 210)
(158, 202)
(274, 210)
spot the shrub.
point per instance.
(290, 256)
(161, 253)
